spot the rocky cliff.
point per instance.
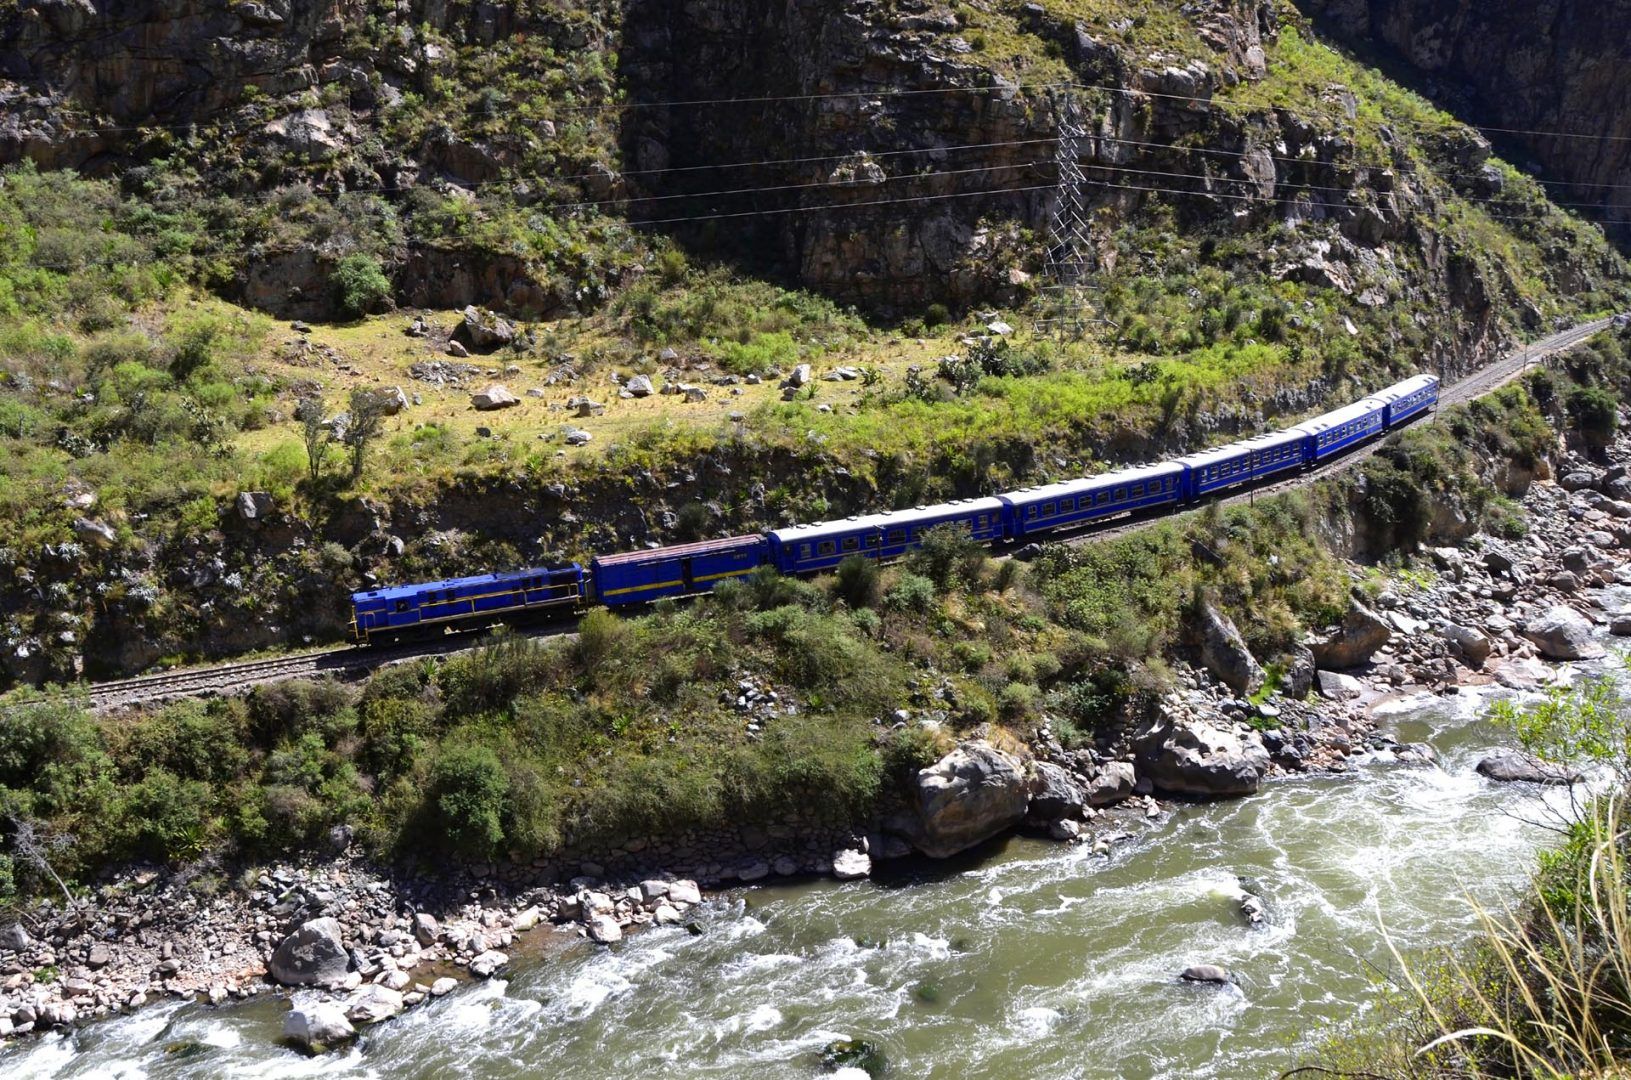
(1556, 73)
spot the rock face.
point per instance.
(1188, 756)
(314, 955)
(1562, 633)
(1511, 767)
(1224, 651)
(1352, 643)
(970, 795)
(317, 1027)
(1530, 68)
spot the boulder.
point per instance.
(313, 955)
(1471, 645)
(254, 505)
(1188, 756)
(577, 437)
(970, 795)
(801, 375)
(392, 401)
(96, 534)
(1224, 651)
(684, 892)
(1204, 973)
(1510, 767)
(1620, 626)
(496, 396)
(1055, 794)
(1065, 829)
(443, 986)
(483, 331)
(425, 928)
(849, 865)
(486, 963)
(1353, 642)
(1300, 669)
(372, 1004)
(526, 920)
(1339, 687)
(640, 386)
(604, 929)
(13, 938)
(317, 1027)
(1562, 633)
(1113, 784)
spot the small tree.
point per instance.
(368, 412)
(313, 432)
(360, 285)
(469, 786)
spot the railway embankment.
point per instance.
(1506, 583)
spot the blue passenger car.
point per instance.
(1242, 462)
(469, 600)
(803, 548)
(1406, 400)
(1056, 506)
(637, 577)
(1337, 431)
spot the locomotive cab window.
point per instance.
(401, 606)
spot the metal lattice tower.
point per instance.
(1068, 258)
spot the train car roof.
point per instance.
(1242, 446)
(887, 519)
(1026, 496)
(399, 592)
(1408, 386)
(676, 551)
(1339, 416)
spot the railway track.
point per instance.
(348, 661)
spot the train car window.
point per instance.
(852, 543)
(896, 536)
(1066, 505)
(826, 547)
(1030, 513)
(1136, 491)
(871, 541)
(1121, 493)
(1101, 497)
(804, 551)
(1049, 509)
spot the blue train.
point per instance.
(639, 577)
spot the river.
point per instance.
(1030, 960)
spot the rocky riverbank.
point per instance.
(356, 943)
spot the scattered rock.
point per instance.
(640, 386)
(443, 986)
(486, 963)
(1114, 783)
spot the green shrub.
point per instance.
(360, 285)
(911, 593)
(949, 556)
(857, 581)
(468, 787)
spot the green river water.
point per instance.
(1027, 960)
